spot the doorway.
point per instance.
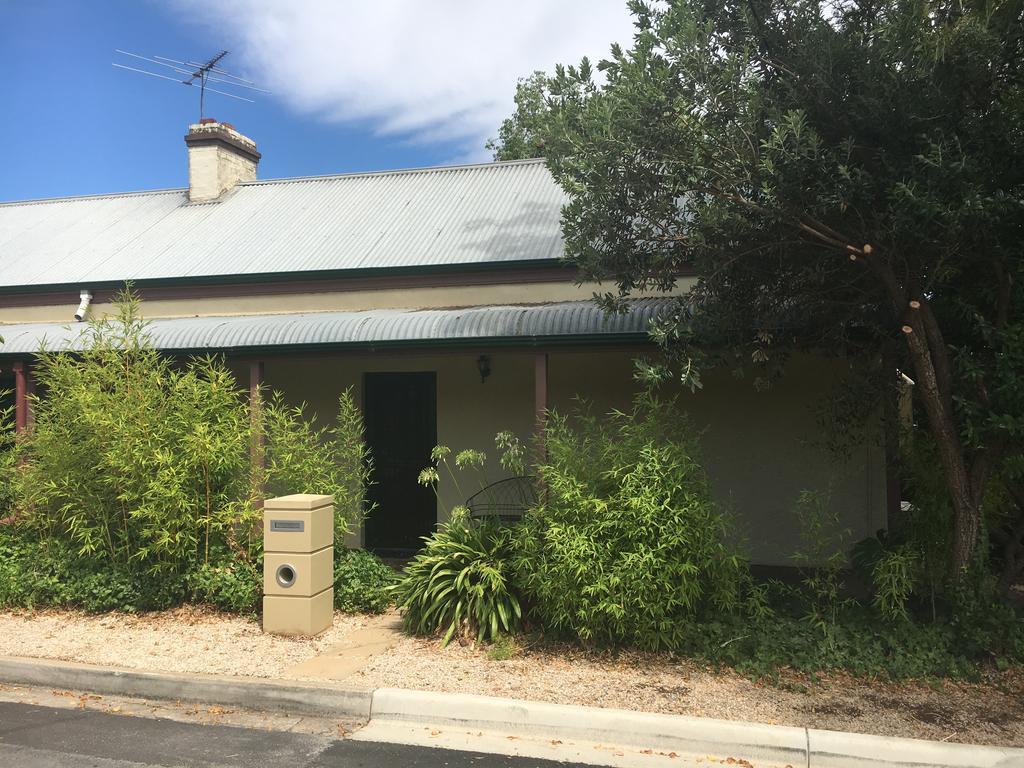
(400, 411)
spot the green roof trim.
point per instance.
(294, 276)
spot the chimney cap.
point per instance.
(214, 120)
(210, 132)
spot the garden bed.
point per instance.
(184, 640)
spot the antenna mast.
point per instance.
(202, 74)
(197, 74)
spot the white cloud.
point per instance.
(429, 70)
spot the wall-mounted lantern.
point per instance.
(483, 364)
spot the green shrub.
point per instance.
(8, 459)
(333, 460)
(132, 459)
(136, 488)
(983, 625)
(233, 585)
(361, 582)
(460, 583)
(626, 546)
(95, 587)
(18, 588)
(894, 579)
(821, 558)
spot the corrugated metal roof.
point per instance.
(526, 324)
(474, 214)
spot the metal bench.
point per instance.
(506, 500)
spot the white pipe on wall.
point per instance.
(83, 306)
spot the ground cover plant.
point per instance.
(136, 487)
(362, 582)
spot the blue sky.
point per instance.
(356, 85)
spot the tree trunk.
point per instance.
(933, 377)
(939, 410)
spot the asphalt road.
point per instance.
(34, 736)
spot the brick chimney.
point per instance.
(218, 158)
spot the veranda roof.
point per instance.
(577, 322)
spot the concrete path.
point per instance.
(343, 659)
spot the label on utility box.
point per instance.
(288, 526)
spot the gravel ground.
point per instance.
(197, 640)
(182, 640)
(990, 713)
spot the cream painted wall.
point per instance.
(757, 446)
(761, 453)
(336, 301)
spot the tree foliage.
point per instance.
(845, 177)
(521, 136)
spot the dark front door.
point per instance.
(401, 430)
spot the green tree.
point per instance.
(845, 177)
(521, 136)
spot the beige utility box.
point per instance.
(298, 564)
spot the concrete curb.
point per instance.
(688, 735)
(835, 749)
(755, 742)
(779, 745)
(300, 698)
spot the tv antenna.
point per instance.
(196, 74)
